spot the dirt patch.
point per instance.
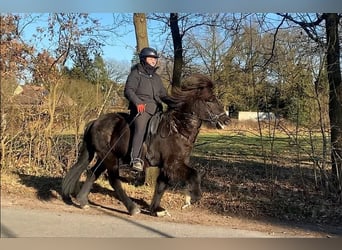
(44, 193)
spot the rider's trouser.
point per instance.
(140, 125)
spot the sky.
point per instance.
(118, 47)
(121, 48)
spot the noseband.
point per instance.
(213, 118)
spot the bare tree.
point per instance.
(335, 93)
(117, 70)
(140, 26)
(178, 50)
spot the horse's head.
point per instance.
(202, 102)
(212, 112)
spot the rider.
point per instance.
(145, 93)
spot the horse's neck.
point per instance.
(186, 124)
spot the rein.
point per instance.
(213, 118)
(116, 142)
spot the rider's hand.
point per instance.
(141, 108)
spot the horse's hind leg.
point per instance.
(159, 190)
(115, 182)
(92, 176)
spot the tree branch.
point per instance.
(306, 26)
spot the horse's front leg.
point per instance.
(159, 190)
(93, 174)
(193, 192)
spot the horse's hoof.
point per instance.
(83, 203)
(85, 207)
(186, 205)
(134, 211)
(162, 213)
(187, 201)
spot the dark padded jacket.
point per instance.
(144, 88)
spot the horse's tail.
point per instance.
(70, 183)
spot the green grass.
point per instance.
(220, 144)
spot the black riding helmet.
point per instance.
(148, 52)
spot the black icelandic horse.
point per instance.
(168, 145)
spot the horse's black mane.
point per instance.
(188, 90)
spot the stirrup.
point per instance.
(138, 164)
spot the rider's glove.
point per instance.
(141, 108)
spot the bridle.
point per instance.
(193, 116)
(213, 118)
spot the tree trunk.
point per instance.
(335, 95)
(140, 26)
(178, 50)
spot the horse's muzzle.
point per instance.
(222, 121)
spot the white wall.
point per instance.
(246, 115)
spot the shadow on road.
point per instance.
(108, 211)
(6, 232)
(47, 187)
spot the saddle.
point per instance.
(152, 130)
(160, 125)
(153, 124)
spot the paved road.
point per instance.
(20, 222)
